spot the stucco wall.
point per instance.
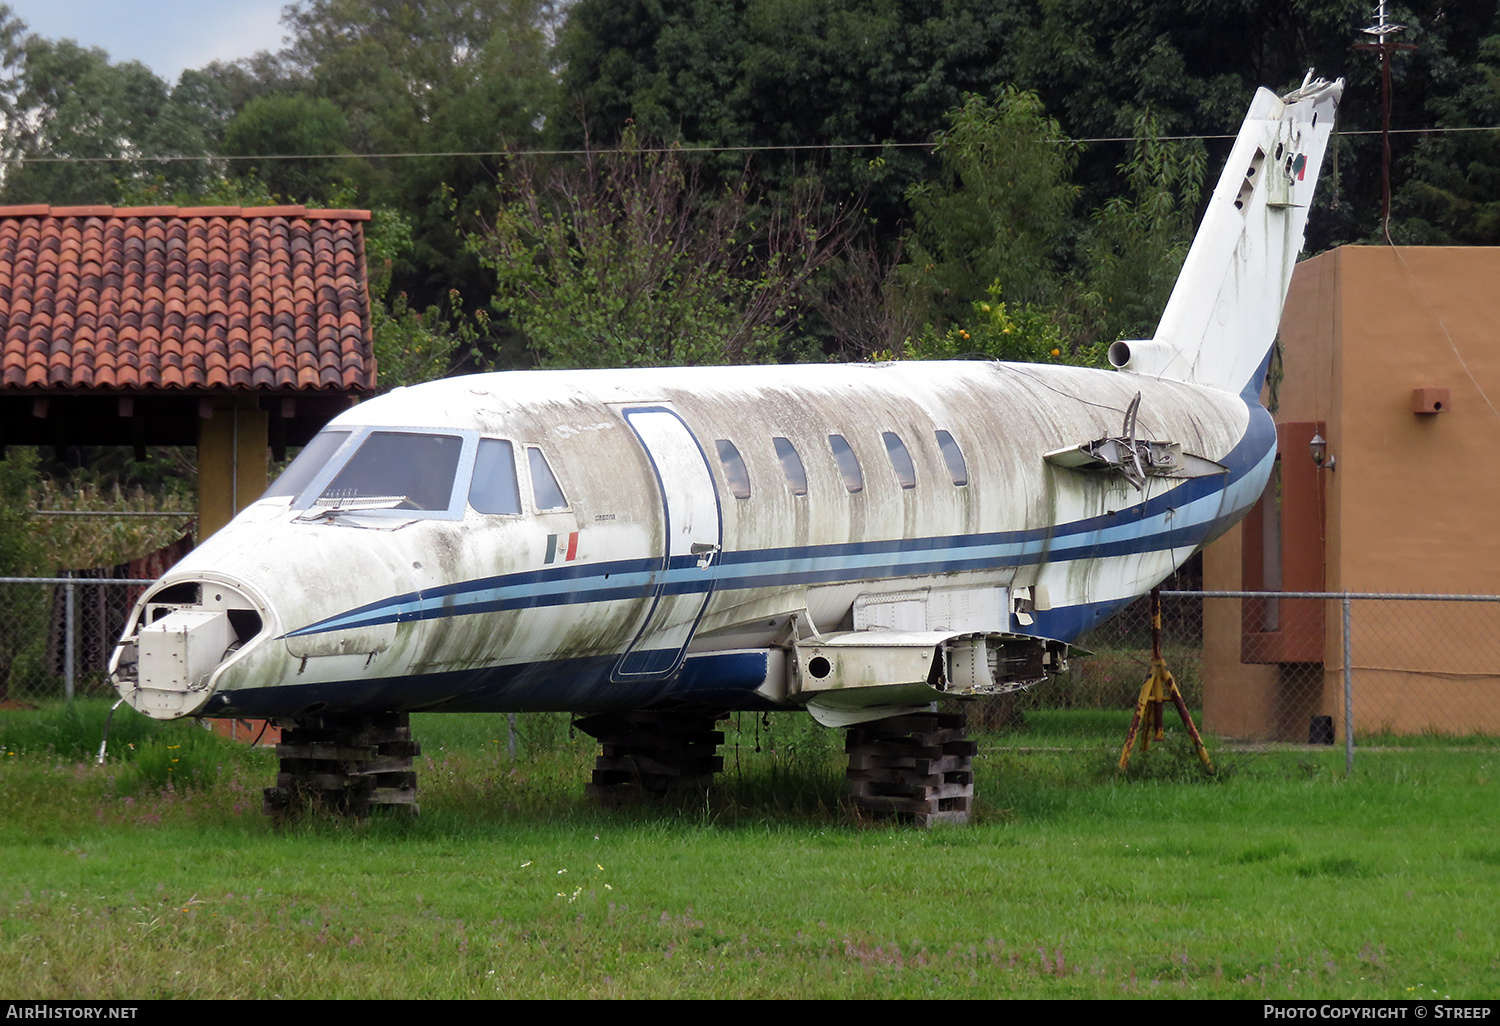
(1413, 504)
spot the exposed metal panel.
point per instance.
(898, 611)
(933, 609)
(177, 655)
(969, 609)
(876, 664)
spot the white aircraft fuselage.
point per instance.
(854, 539)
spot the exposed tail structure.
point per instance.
(1219, 325)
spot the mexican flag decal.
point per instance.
(568, 552)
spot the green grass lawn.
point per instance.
(1279, 878)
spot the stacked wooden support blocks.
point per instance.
(347, 765)
(918, 767)
(653, 754)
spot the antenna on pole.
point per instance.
(1385, 45)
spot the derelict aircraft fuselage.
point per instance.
(856, 540)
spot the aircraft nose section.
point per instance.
(180, 636)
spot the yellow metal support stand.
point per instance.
(1159, 687)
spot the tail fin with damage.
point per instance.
(1222, 318)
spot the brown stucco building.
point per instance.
(1393, 356)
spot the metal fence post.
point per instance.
(1348, 690)
(70, 629)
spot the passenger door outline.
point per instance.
(693, 531)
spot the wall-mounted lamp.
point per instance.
(1318, 448)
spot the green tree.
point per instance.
(424, 73)
(777, 72)
(999, 215)
(283, 125)
(412, 346)
(1138, 241)
(629, 262)
(410, 90)
(251, 78)
(18, 555)
(999, 219)
(784, 73)
(96, 125)
(441, 77)
(994, 330)
(1453, 194)
(1097, 65)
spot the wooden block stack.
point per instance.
(649, 754)
(918, 767)
(345, 764)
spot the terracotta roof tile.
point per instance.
(192, 297)
(337, 215)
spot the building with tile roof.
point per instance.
(229, 328)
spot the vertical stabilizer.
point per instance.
(1219, 325)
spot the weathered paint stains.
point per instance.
(1010, 491)
(471, 628)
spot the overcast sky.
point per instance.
(168, 36)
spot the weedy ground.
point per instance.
(156, 875)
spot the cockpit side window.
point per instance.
(854, 478)
(735, 473)
(495, 489)
(313, 458)
(398, 470)
(544, 487)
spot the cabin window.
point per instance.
(544, 487)
(734, 469)
(954, 457)
(312, 459)
(854, 478)
(901, 463)
(494, 489)
(791, 466)
(399, 470)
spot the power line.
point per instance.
(476, 153)
(790, 147)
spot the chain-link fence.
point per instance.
(1299, 666)
(1289, 667)
(57, 633)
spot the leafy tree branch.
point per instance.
(629, 261)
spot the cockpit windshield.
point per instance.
(313, 458)
(398, 470)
